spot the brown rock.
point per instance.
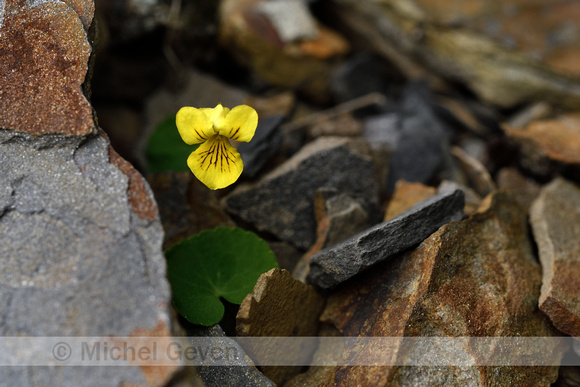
(519, 25)
(500, 50)
(524, 190)
(406, 195)
(476, 277)
(555, 219)
(557, 139)
(140, 197)
(279, 306)
(256, 42)
(472, 199)
(44, 54)
(476, 173)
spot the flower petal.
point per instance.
(239, 124)
(194, 125)
(216, 163)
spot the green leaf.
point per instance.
(165, 150)
(223, 262)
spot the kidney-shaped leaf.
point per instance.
(223, 262)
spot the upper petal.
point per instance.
(216, 114)
(193, 125)
(216, 163)
(239, 124)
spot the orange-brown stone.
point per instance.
(44, 53)
(474, 278)
(558, 139)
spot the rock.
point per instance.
(471, 115)
(337, 264)
(412, 130)
(281, 203)
(241, 373)
(44, 54)
(474, 278)
(291, 20)
(568, 377)
(472, 199)
(524, 190)
(508, 53)
(338, 217)
(547, 141)
(359, 75)
(81, 252)
(272, 105)
(344, 125)
(264, 145)
(555, 220)
(346, 217)
(266, 43)
(338, 120)
(186, 206)
(279, 306)
(406, 195)
(80, 232)
(534, 112)
(477, 175)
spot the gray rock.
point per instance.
(337, 264)
(282, 202)
(415, 135)
(359, 75)
(239, 372)
(77, 259)
(264, 145)
(346, 217)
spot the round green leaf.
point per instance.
(165, 150)
(223, 262)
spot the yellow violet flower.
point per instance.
(216, 163)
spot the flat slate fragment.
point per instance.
(238, 371)
(282, 202)
(337, 264)
(555, 221)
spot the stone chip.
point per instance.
(336, 264)
(555, 219)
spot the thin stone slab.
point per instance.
(555, 220)
(238, 371)
(282, 202)
(337, 264)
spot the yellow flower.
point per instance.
(216, 163)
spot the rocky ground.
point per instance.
(416, 171)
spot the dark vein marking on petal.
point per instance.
(234, 135)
